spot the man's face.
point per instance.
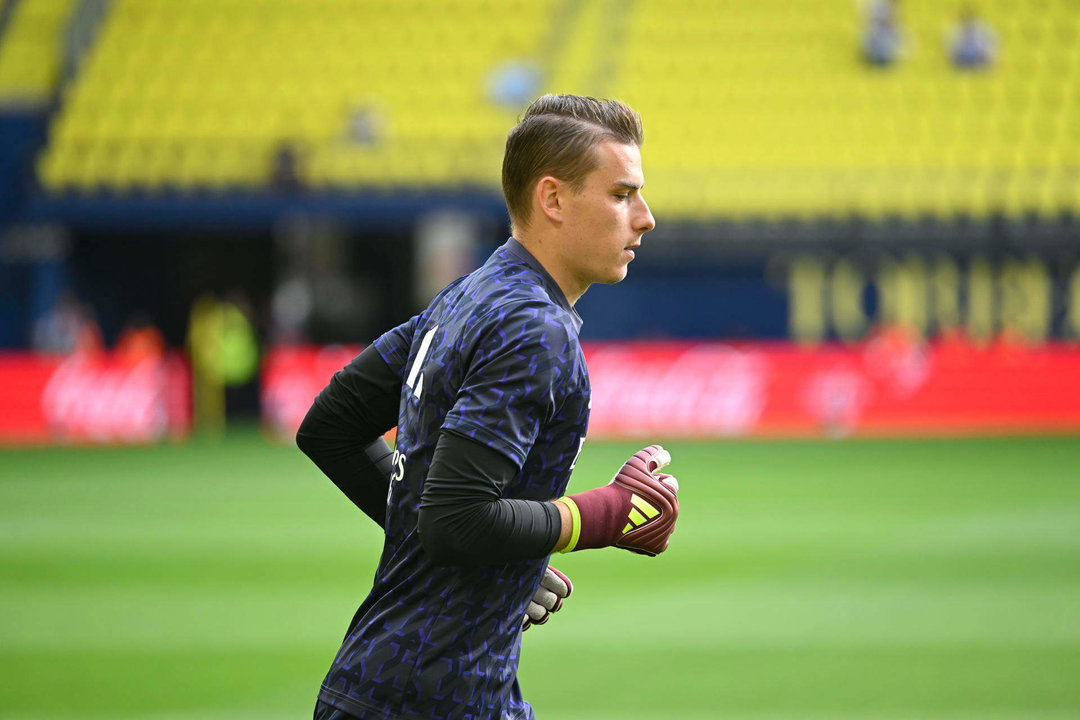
(605, 219)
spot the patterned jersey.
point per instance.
(495, 357)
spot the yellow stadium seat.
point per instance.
(751, 108)
(31, 50)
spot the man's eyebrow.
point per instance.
(627, 185)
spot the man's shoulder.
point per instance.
(506, 274)
(502, 293)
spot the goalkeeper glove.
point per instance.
(547, 599)
(635, 511)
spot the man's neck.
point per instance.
(546, 251)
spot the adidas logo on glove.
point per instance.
(636, 518)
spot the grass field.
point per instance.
(854, 579)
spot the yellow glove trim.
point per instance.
(575, 516)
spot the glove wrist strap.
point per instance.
(575, 518)
(576, 524)
(599, 515)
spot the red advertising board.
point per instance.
(93, 399)
(292, 377)
(713, 389)
(880, 387)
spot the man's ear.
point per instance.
(550, 195)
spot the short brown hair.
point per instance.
(555, 137)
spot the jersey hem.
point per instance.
(496, 442)
(353, 706)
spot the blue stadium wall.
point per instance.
(692, 280)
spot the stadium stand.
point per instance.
(31, 49)
(756, 109)
(753, 108)
(205, 92)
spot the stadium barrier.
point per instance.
(93, 399)
(704, 390)
(880, 387)
(883, 386)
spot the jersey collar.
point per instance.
(519, 251)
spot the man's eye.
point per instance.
(622, 196)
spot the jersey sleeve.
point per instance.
(517, 376)
(393, 345)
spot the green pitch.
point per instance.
(827, 580)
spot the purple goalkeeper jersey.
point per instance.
(495, 357)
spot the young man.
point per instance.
(490, 394)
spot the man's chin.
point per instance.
(617, 276)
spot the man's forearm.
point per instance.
(464, 520)
(489, 532)
(360, 471)
(342, 432)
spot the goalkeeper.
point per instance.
(490, 394)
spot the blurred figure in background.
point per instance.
(69, 327)
(290, 311)
(973, 45)
(513, 84)
(224, 353)
(285, 169)
(883, 39)
(365, 125)
(139, 340)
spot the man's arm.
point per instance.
(465, 521)
(566, 529)
(342, 432)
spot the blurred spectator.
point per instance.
(69, 327)
(514, 84)
(290, 310)
(365, 125)
(285, 172)
(239, 340)
(224, 351)
(139, 340)
(883, 39)
(973, 44)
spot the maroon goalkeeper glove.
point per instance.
(636, 510)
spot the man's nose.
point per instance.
(645, 221)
